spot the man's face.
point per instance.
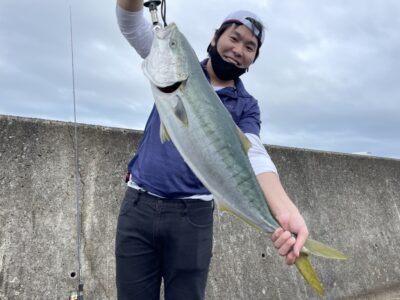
(237, 45)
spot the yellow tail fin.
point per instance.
(303, 264)
(320, 249)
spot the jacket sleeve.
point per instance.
(250, 118)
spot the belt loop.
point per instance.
(185, 210)
(127, 177)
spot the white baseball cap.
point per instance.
(247, 18)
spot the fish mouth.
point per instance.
(171, 88)
(166, 31)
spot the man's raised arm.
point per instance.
(131, 5)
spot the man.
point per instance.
(165, 222)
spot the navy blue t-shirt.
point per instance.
(160, 169)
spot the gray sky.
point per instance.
(327, 77)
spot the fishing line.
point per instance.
(164, 12)
(79, 295)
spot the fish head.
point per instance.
(167, 63)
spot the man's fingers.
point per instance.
(302, 236)
(282, 239)
(287, 246)
(276, 234)
(290, 258)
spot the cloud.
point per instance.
(329, 75)
(326, 77)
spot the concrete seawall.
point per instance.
(349, 202)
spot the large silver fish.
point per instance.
(195, 120)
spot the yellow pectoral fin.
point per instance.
(164, 136)
(320, 249)
(303, 264)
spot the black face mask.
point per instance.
(223, 69)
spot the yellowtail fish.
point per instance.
(195, 120)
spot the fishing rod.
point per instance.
(152, 5)
(76, 295)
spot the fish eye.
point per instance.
(172, 43)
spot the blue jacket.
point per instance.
(160, 169)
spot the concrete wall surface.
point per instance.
(349, 202)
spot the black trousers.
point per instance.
(163, 238)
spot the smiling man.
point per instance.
(165, 225)
(234, 48)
